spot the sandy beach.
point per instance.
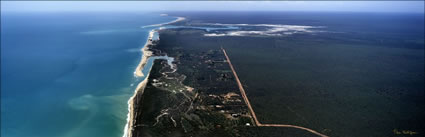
(145, 50)
(140, 87)
(146, 54)
(130, 118)
(138, 73)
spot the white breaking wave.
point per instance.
(267, 30)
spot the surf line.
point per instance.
(146, 54)
(241, 89)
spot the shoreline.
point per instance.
(146, 53)
(130, 116)
(145, 50)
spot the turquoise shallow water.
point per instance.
(69, 74)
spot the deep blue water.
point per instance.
(69, 74)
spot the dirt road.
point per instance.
(257, 123)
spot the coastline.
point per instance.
(145, 50)
(130, 116)
(146, 53)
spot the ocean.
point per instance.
(70, 74)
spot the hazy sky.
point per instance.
(355, 6)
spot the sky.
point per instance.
(350, 6)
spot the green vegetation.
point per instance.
(199, 97)
(337, 85)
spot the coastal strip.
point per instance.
(145, 50)
(252, 110)
(130, 116)
(146, 53)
